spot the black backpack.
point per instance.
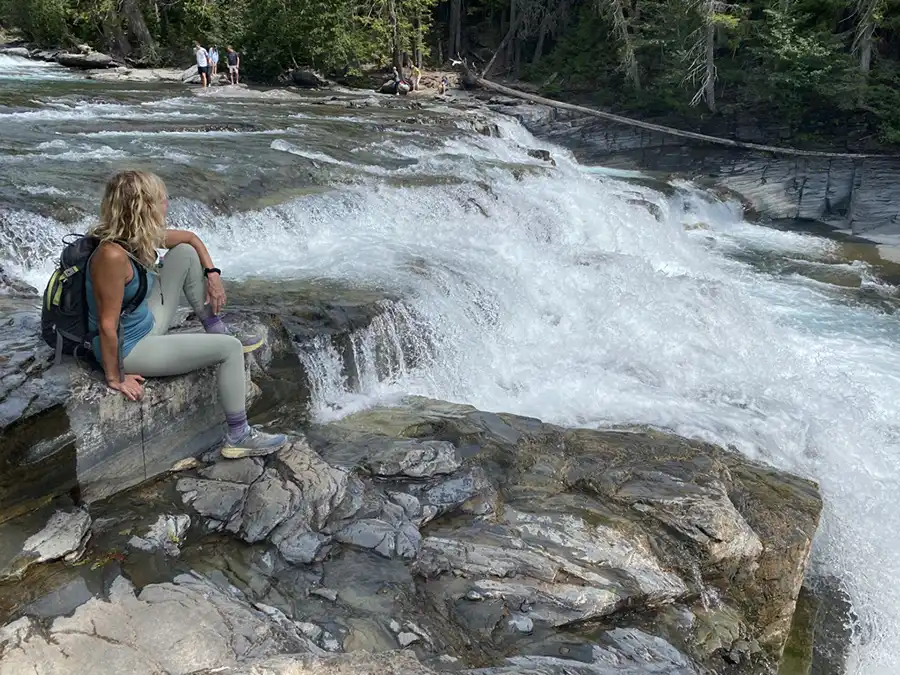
(64, 310)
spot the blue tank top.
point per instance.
(135, 325)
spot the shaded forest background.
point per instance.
(816, 68)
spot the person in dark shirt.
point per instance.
(234, 65)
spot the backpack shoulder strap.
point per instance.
(141, 291)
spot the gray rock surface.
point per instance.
(166, 535)
(546, 550)
(172, 628)
(85, 61)
(414, 459)
(16, 51)
(63, 537)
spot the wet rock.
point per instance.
(543, 155)
(321, 485)
(146, 632)
(624, 652)
(358, 663)
(244, 470)
(270, 501)
(598, 521)
(386, 539)
(414, 459)
(470, 491)
(85, 60)
(166, 535)
(211, 498)
(9, 285)
(16, 51)
(307, 79)
(328, 593)
(64, 537)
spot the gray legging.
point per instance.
(161, 355)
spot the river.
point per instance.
(565, 293)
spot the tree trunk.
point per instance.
(502, 48)
(710, 82)
(395, 35)
(138, 28)
(539, 48)
(511, 47)
(454, 47)
(629, 58)
(863, 43)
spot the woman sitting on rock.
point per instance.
(132, 226)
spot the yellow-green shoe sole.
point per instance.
(254, 346)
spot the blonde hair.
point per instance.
(133, 214)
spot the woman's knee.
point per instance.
(184, 252)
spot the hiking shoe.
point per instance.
(251, 342)
(254, 443)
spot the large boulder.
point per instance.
(532, 530)
(307, 79)
(85, 61)
(16, 51)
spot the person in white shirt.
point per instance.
(214, 60)
(203, 67)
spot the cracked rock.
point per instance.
(414, 459)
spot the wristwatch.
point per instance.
(209, 270)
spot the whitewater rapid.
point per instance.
(584, 300)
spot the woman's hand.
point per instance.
(130, 387)
(215, 292)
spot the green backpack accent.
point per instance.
(64, 310)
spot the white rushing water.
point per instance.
(559, 295)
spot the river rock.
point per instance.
(85, 61)
(64, 537)
(415, 459)
(589, 522)
(185, 626)
(307, 79)
(16, 51)
(166, 534)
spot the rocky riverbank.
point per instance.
(478, 541)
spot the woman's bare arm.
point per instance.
(110, 269)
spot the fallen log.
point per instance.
(659, 128)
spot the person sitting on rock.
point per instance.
(132, 226)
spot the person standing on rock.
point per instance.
(202, 63)
(214, 61)
(135, 345)
(416, 76)
(234, 65)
